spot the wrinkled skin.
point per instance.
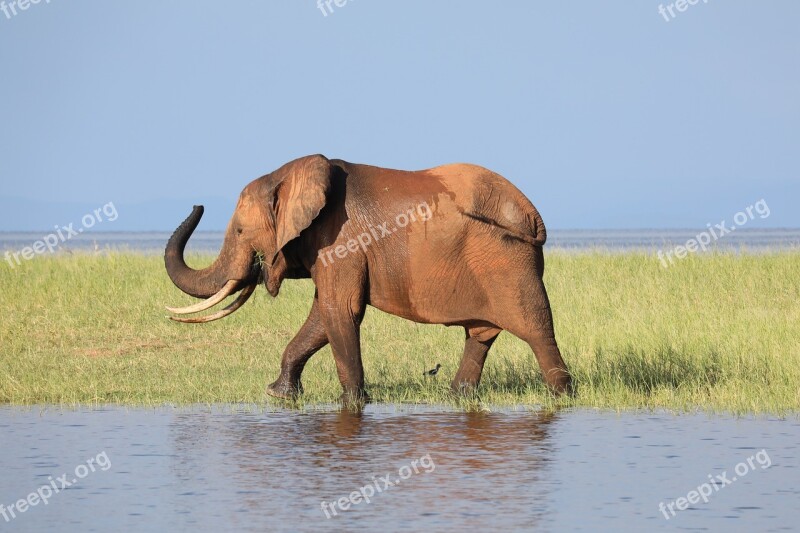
(468, 253)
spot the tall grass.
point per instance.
(717, 332)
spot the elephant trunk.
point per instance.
(203, 283)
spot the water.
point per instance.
(615, 240)
(243, 468)
(655, 239)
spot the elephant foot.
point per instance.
(464, 392)
(562, 386)
(284, 390)
(355, 398)
(464, 388)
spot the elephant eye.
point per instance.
(239, 231)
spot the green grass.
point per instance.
(717, 332)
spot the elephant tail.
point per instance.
(539, 231)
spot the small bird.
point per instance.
(432, 371)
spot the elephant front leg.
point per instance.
(342, 293)
(342, 312)
(343, 330)
(476, 348)
(308, 341)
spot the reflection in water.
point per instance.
(239, 468)
(283, 459)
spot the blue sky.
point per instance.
(603, 113)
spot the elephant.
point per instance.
(457, 245)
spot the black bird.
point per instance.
(432, 371)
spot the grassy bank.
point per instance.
(716, 332)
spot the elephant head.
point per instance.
(271, 212)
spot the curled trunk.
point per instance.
(205, 282)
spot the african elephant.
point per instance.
(455, 245)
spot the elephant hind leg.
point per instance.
(554, 369)
(476, 348)
(533, 323)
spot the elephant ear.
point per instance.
(299, 197)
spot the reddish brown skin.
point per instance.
(477, 262)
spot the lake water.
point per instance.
(743, 239)
(249, 469)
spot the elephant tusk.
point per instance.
(236, 304)
(223, 293)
